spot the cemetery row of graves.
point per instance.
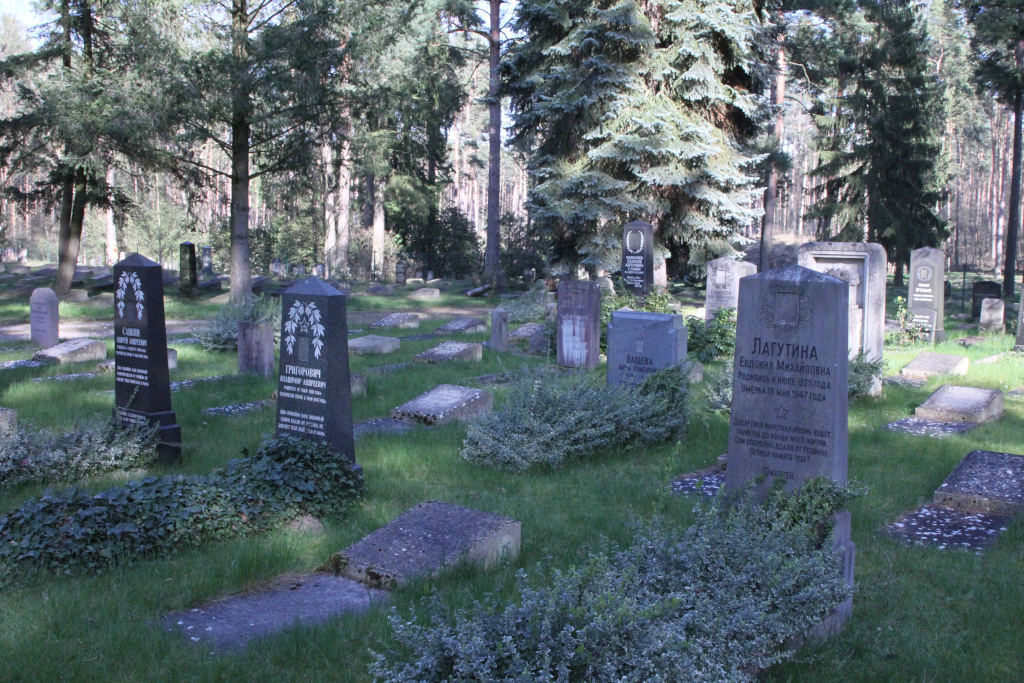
(377, 486)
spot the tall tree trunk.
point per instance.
(344, 202)
(492, 254)
(1013, 228)
(778, 95)
(377, 265)
(241, 273)
(111, 226)
(65, 262)
(329, 168)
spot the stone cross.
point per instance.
(142, 380)
(44, 317)
(927, 289)
(499, 330)
(314, 395)
(723, 284)
(188, 276)
(578, 327)
(638, 257)
(642, 343)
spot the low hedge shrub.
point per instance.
(75, 530)
(712, 340)
(89, 448)
(718, 601)
(221, 331)
(547, 420)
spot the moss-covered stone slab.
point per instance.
(445, 403)
(985, 481)
(951, 403)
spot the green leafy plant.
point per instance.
(718, 388)
(221, 331)
(655, 302)
(910, 332)
(810, 506)
(712, 340)
(863, 375)
(75, 530)
(89, 448)
(550, 421)
(529, 307)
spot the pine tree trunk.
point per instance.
(65, 261)
(492, 254)
(111, 226)
(241, 273)
(778, 95)
(897, 279)
(1013, 227)
(378, 229)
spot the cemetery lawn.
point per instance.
(920, 614)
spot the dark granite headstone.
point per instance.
(314, 395)
(188, 276)
(142, 386)
(578, 330)
(984, 289)
(638, 257)
(642, 343)
(207, 260)
(927, 278)
(400, 269)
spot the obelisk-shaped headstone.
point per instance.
(578, 327)
(314, 395)
(638, 257)
(188, 275)
(142, 381)
(926, 300)
(44, 317)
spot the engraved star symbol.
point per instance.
(781, 411)
(304, 326)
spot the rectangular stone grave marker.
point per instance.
(8, 420)
(426, 294)
(987, 482)
(74, 351)
(44, 317)
(142, 385)
(207, 260)
(314, 394)
(723, 284)
(578, 330)
(789, 409)
(930, 364)
(642, 343)
(991, 319)
(373, 343)
(188, 275)
(927, 288)
(398, 320)
(424, 540)
(499, 330)
(464, 325)
(950, 403)
(451, 351)
(981, 290)
(400, 268)
(256, 348)
(277, 268)
(443, 404)
(637, 257)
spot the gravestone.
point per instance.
(929, 364)
(443, 404)
(277, 268)
(529, 275)
(426, 294)
(950, 403)
(400, 268)
(320, 270)
(188, 275)
(551, 312)
(73, 351)
(987, 482)
(606, 284)
(142, 379)
(256, 348)
(8, 420)
(430, 275)
(464, 325)
(499, 330)
(947, 289)
(424, 540)
(862, 266)
(991, 319)
(578, 330)
(44, 317)
(638, 257)
(981, 290)
(642, 343)
(373, 343)
(300, 270)
(451, 351)
(526, 331)
(789, 409)
(207, 260)
(723, 284)
(414, 283)
(380, 290)
(927, 280)
(398, 320)
(314, 393)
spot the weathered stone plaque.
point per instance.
(426, 294)
(451, 351)
(578, 330)
(991, 319)
(927, 289)
(142, 380)
(188, 274)
(642, 343)
(398, 320)
(464, 325)
(499, 330)
(984, 289)
(208, 261)
(987, 482)
(637, 257)
(400, 268)
(44, 317)
(930, 364)
(723, 284)
(373, 343)
(314, 394)
(445, 403)
(950, 403)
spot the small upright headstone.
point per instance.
(207, 260)
(499, 330)
(991, 318)
(256, 348)
(319, 270)
(927, 278)
(400, 269)
(188, 276)
(314, 394)
(638, 257)
(142, 379)
(984, 289)
(529, 275)
(8, 420)
(642, 343)
(300, 270)
(578, 330)
(723, 284)
(44, 317)
(277, 268)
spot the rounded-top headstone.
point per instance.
(44, 317)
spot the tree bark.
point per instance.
(241, 272)
(111, 226)
(492, 254)
(1013, 227)
(778, 95)
(378, 229)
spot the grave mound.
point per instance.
(426, 294)
(445, 403)
(950, 403)
(74, 351)
(399, 320)
(373, 343)
(464, 325)
(450, 351)
(930, 364)
(985, 481)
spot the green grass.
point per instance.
(920, 614)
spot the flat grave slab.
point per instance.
(950, 403)
(947, 527)
(445, 403)
(451, 351)
(74, 351)
(1016, 393)
(239, 408)
(373, 343)
(12, 364)
(310, 599)
(383, 369)
(930, 364)
(706, 482)
(968, 342)
(904, 381)
(426, 294)
(464, 325)
(496, 378)
(985, 481)
(526, 331)
(64, 378)
(991, 359)
(381, 290)
(419, 337)
(401, 321)
(425, 539)
(381, 425)
(936, 430)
